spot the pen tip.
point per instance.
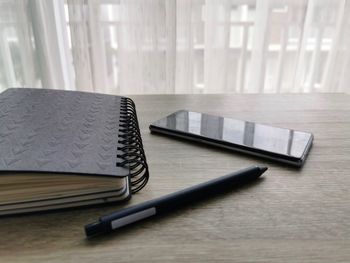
(263, 169)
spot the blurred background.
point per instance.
(176, 46)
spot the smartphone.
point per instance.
(279, 144)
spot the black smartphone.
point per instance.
(280, 144)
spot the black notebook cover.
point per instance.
(55, 131)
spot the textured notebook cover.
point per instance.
(59, 131)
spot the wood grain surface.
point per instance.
(290, 215)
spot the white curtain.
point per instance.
(176, 46)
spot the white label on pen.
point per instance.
(133, 217)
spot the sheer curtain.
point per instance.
(176, 46)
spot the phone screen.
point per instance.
(249, 134)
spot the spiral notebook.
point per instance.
(61, 149)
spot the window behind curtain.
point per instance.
(176, 46)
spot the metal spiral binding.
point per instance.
(133, 154)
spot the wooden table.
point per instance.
(289, 216)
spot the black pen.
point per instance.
(172, 201)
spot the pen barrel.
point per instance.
(205, 190)
(193, 193)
